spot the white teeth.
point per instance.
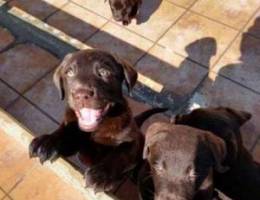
(89, 118)
(89, 123)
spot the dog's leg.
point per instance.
(65, 141)
(107, 172)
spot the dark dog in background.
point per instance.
(182, 160)
(242, 181)
(98, 124)
(124, 10)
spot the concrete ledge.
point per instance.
(61, 167)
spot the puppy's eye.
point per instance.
(70, 72)
(158, 166)
(102, 72)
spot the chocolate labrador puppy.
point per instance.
(124, 10)
(242, 181)
(182, 160)
(98, 124)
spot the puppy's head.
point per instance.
(91, 81)
(222, 121)
(182, 160)
(124, 10)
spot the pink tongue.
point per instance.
(89, 116)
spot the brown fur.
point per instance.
(124, 10)
(242, 181)
(114, 145)
(182, 160)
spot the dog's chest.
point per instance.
(114, 134)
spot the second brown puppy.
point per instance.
(182, 160)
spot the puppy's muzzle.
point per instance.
(117, 17)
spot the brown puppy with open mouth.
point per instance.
(124, 10)
(98, 123)
(182, 160)
(242, 181)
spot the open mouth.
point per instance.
(90, 118)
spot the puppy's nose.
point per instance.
(83, 94)
(117, 19)
(125, 22)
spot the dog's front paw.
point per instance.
(45, 147)
(100, 179)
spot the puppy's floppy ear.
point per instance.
(58, 81)
(219, 151)
(153, 137)
(241, 116)
(57, 76)
(146, 151)
(232, 144)
(238, 115)
(130, 74)
(134, 10)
